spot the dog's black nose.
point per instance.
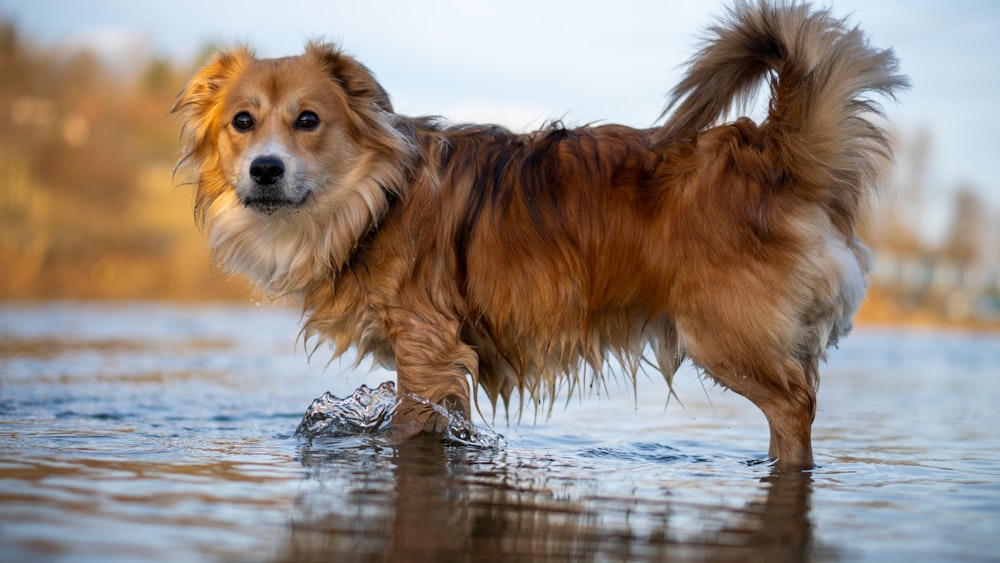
(266, 170)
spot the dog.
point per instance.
(469, 257)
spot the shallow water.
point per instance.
(160, 432)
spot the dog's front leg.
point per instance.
(432, 362)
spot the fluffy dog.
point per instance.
(471, 257)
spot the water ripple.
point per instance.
(369, 411)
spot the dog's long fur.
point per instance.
(523, 263)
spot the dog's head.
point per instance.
(284, 152)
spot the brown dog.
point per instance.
(520, 262)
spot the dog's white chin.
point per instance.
(280, 249)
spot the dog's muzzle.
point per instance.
(268, 191)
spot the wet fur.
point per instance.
(523, 264)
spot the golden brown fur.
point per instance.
(523, 263)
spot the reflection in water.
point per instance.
(424, 500)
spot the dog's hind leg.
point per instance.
(778, 386)
(790, 410)
(787, 400)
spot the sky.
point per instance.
(522, 62)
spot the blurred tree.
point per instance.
(965, 237)
(8, 41)
(896, 223)
(158, 76)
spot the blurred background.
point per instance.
(89, 208)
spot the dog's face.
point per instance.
(281, 129)
(294, 159)
(282, 134)
(285, 127)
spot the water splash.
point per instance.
(370, 411)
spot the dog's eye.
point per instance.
(307, 121)
(243, 121)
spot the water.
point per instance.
(161, 432)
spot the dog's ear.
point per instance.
(357, 81)
(201, 94)
(199, 104)
(200, 101)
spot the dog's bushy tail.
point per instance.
(823, 74)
